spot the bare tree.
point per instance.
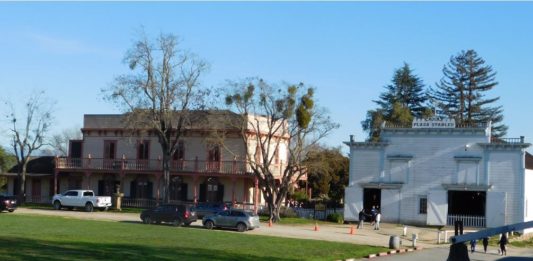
(60, 141)
(159, 93)
(277, 119)
(29, 132)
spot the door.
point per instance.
(353, 197)
(437, 208)
(36, 190)
(495, 214)
(390, 205)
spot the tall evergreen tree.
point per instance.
(460, 94)
(402, 100)
(407, 89)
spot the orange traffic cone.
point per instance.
(270, 223)
(316, 226)
(352, 230)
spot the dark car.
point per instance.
(177, 215)
(8, 203)
(209, 208)
(236, 219)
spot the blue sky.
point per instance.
(347, 50)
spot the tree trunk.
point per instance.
(166, 178)
(22, 185)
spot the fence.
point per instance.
(468, 221)
(316, 214)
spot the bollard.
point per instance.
(414, 237)
(438, 237)
(404, 230)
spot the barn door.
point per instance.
(390, 205)
(353, 198)
(437, 207)
(495, 214)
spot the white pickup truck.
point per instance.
(80, 199)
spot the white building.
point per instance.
(434, 172)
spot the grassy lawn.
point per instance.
(27, 237)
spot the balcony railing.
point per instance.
(202, 166)
(507, 140)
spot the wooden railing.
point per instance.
(202, 166)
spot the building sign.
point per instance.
(433, 123)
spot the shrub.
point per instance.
(285, 212)
(335, 217)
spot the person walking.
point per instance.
(378, 219)
(362, 216)
(473, 243)
(373, 215)
(503, 241)
(485, 243)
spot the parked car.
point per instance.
(8, 203)
(210, 208)
(235, 219)
(81, 199)
(176, 214)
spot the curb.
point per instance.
(388, 253)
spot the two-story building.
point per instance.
(435, 172)
(203, 169)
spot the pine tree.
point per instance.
(406, 89)
(460, 94)
(403, 100)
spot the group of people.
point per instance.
(375, 217)
(503, 242)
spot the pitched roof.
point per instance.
(38, 165)
(197, 119)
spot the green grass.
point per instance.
(522, 243)
(26, 237)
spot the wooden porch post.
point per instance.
(87, 180)
(233, 180)
(55, 174)
(256, 194)
(157, 181)
(195, 188)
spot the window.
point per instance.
(143, 149)
(423, 206)
(72, 193)
(258, 154)
(276, 156)
(179, 154)
(214, 153)
(109, 149)
(88, 194)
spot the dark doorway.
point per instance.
(471, 203)
(371, 198)
(75, 150)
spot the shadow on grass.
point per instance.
(29, 249)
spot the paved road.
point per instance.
(441, 253)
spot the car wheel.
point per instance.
(89, 207)
(11, 210)
(176, 222)
(241, 227)
(57, 205)
(147, 220)
(209, 224)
